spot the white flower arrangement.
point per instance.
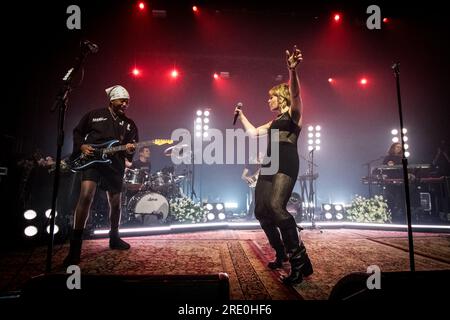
(186, 210)
(373, 209)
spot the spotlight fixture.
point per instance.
(333, 211)
(214, 210)
(202, 123)
(314, 135)
(31, 231)
(29, 214)
(396, 137)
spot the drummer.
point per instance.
(142, 162)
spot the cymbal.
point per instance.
(168, 151)
(176, 147)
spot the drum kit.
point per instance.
(146, 196)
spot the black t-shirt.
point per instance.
(396, 159)
(138, 164)
(99, 126)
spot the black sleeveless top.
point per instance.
(289, 132)
(284, 122)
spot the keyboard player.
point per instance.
(394, 194)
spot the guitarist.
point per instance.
(250, 176)
(95, 127)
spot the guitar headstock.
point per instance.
(160, 142)
(64, 167)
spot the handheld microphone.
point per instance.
(93, 48)
(236, 114)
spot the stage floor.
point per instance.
(243, 255)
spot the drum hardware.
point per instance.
(145, 196)
(294, 205)
(135, 178)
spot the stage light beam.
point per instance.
(136, 72)
(30, 214)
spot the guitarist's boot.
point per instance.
(73, 258)
(115, 242)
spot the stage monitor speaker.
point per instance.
(122, 288)
(412, 286)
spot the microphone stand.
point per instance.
(61, 103)
(312, 194)
(396, 68)
(193, 168)
(308, 190)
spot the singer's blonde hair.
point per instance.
(281, 91)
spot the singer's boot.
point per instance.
(273, 235)
(300, 264)
(76, 241)
(115, 242)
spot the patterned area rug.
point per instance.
(243, 255)
(336, 253)
(187, 254)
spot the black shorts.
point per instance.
(107, 177)
(288, 161)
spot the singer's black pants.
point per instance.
(271, 197)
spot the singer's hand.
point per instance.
(293, 59)
(238, 112)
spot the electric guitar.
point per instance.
(102, 152)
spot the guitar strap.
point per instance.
(119, 133)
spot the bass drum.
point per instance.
(149, 207)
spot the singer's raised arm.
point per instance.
(296, 109)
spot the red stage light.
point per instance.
(195, 9)
(141, 5)
(337, 17)
(330, 80)
(363, 81)
(174, 73)
(385, 20)
(216, 76)
(136, 72)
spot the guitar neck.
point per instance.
(137, 145)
